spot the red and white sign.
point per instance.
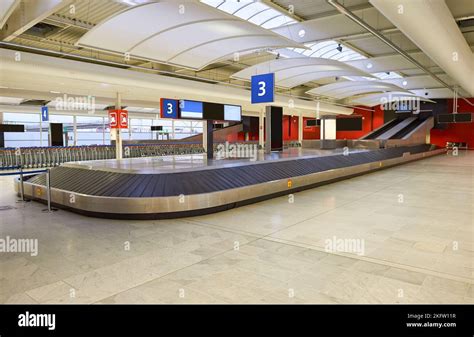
(118, 119)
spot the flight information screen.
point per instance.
(191, 109)
(232, 113)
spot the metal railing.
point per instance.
(39, 157)
(22, 173)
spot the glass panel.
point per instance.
(253, 11)
(277, 22)
(250, 10)
(263, 16)
(232, 6)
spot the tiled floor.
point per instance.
(413, 223)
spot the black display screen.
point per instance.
(12, 128)
(213, 111)
(446, 118)
(313, 122)
(157, 128)
(277, 128)
(349, 124)
(56, 134)
(463, 117)
(250, 124)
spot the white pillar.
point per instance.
(300, 128)
(74, 128)
(204, 135)
(261, 134)
(328, 132)
(41, 129)
(118, 134)
(103, 130)
(172, 129)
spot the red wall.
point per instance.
(368, 124)
(459, 132)
(377, 117)
(310, 132)
(290, 132)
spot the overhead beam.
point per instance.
(27, 14)
(335, 12)
(283, 10)
(70, 22)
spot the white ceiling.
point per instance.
(191, 35)
(291, 72)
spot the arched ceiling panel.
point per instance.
(6, 8)
(291, 72)
(349, 88)
(377, 99)
(315, 76)
(161, 31)
(211, 30)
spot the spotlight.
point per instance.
(339, 47)
(388, 72)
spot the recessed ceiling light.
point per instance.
(54, 92)
(404, 83)
(1, 87)
(369, 65)
(105, 84)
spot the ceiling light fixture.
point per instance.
(404, 83)
(369, 65)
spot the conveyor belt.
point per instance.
(126, 185)
(134, 195)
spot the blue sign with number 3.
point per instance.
(263, 88)
(169, 108)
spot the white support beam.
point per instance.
(6, 9)
(27, 14)
(300, 128)
(261, 125)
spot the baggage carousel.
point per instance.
(181, 186)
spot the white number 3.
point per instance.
(261, 88)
